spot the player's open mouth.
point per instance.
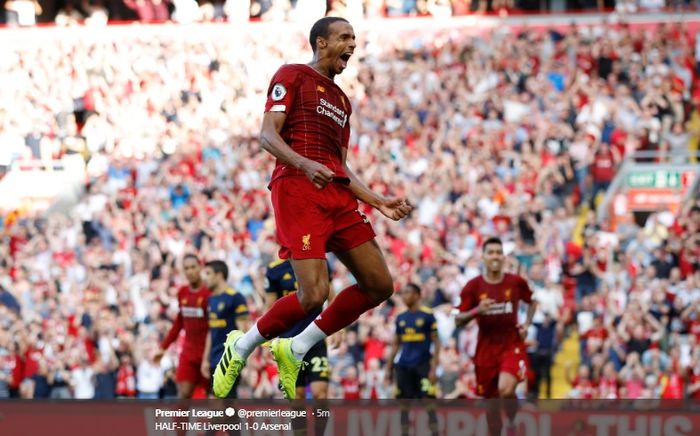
(344, 58)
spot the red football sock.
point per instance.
(346, 307)
(281, 317)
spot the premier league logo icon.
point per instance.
(278, 92)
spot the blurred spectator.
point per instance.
(105, 378)
(542, 358)
(82, 381)
(68, 15)
(40, 382)
(237, 11)
(149, 376)
(58, 378)
(126, 378)
(6, 366)
(8, 300)
(623, 7)
(149, 10)
(651, 5)
(605, 160)
(22, 12)
(351, 384)
(96, 13)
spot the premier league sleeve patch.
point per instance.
(278, 92)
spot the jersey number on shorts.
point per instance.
(319, 364)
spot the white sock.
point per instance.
(247, 343)
(303, 342)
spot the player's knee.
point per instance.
(313, 298)
(506, 390)
(387, 290)
(319, 394)
(380, 289)
(185, 391)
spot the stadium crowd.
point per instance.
(504, 134)
(71, 12)
(98, 12)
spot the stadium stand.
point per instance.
(99, 12)
(504, 131)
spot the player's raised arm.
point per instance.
(272, 142)
(391, 207)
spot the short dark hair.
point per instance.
(414, 287)
(219, 267)
(190, 256)
(320, 28)
(491, 240)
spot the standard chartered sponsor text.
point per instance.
(333, 112)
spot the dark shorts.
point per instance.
(311, 222)
(412, 382)
(316, 369)
(514, 362)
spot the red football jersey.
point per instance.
(318, 116)
(498, 329)
(193, 318)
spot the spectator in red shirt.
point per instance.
(603, 169)
(582, 386)
(672, 384)
(609, 384)
(126, 378)
(351, 384)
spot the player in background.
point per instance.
(280, 282)
(227, 311)
(315, 198)
(418, 348)
(501, 363)
(192, 316)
